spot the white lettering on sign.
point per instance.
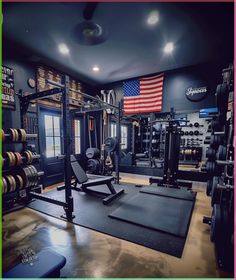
(192, 91)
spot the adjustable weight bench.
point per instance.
(84, 181)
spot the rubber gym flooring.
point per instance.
(91, 213)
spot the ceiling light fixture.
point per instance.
(169, 47)
(153, 18)
(96, 68)
(63, 49)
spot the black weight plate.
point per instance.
(209, 187)
(215, 193)
(110, 144)
(196, 124)
(216, 224)
(210, 166)
(191, 133)
(186, 133)
(221, 153)
(210, 154)
(92, 153)
(222, 94)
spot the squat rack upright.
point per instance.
(68, 204)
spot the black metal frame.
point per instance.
(172, 148)
(119, 110)
(68, 204)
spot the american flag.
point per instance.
(143, 95)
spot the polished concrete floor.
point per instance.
(91, 254)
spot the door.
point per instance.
(51, 147)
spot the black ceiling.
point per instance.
(200, 32)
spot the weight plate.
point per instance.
(18, 158)
(216, 192)
(19, 182)
(35, 172)
(11, 132)
(4, 185)
(3, 136)
(11, 182)
(221, 153)
(92, 153)
(222, 94)
(31, 176)
(211, 154)
(111, 144)
(216, 224)
(209, 187)
(24, 173)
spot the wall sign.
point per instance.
(196, 91)
(8, 91)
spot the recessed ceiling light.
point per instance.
(153, 18)
(63, 49)
(96, 68)
(169, 47)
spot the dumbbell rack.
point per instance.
(15, 192)
(220, 167)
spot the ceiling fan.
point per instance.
(89, 32)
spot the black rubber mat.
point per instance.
(157, 212)
(90, 212)
(174, 193)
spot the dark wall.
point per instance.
(177, 81)
(22, 71)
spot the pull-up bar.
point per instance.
(83, 94)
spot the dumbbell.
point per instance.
(196, 124)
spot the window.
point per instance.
(77, 137)
(53, 135)
(113, 130)
(124, 137)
